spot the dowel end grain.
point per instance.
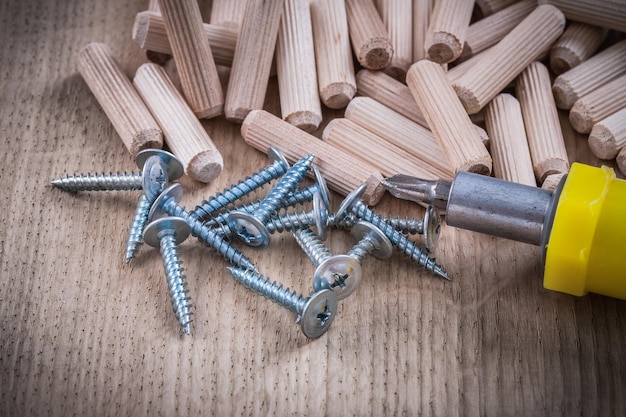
(563, 59)
(468, 98)
(443, 47)
(337, 95)
(621, 160)
(580, 117)
(374, 190)
(205, 166)
(564, 95)
(552, 181)
(375, 54)
(237, 114)
(306, 120)
(549, 167)
(602, 142)
(147, 138)
(210, 112)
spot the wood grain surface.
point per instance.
(81, 333)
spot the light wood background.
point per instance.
(81, 333)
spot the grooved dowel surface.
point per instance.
(250, 72)
(114, 91)
(505, 60)
(598, 104)
(194, 59)
(228, 13)
(608, 136)
(447, 29)
(149, 33)
(295, 66)
(447, 119)
(578, 42)
(489, 7)
(184, 134)
(398, 19)
(422, 11)
(342, 171)
(508, 144)
(589, 75)
(333, 53)
(609, 14)
(541, 120)
(370, 41)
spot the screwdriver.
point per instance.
(580, 227)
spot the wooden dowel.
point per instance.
(589, 75)
(578, 42)
(333, 54)
(447, 119)
(447, 29)
(395, 129)
(153, 6)
(541, 121)
(369, 38)
(342, 171)
(422, 10)
(609, 14)
(489, 7)
(599, 104)
(193, 57)
(295, 64)
(505, 60)
(228, 13)
(508, 144)
(608, 136)
(149, 33)
(250, 72)
(397, 16)
(621, 160)
(490, 30)
(118, 98)
(552, 181)
(184, 134)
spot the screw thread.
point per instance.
(99, 182)
(271, 290)
(346, 222)
(257, 180)
(290, 222)
(181, 302)
(361, 249)
(135, 233)
(408, 225)
(312, 246)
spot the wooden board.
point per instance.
(81, 333)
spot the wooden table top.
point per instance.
(82, 333)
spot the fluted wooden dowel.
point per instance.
(250, 72)
(333, 53)
(609, 14)
(608, 136)
(149, 33)
(489, 7)
(422, 10)
(118, 98)
(390, 159)
(552, 181)
(589, 75)
(397, 16)
(598, 104)
(394, 128)
(505, 60)
(578, 42)
(193, 57)
(153, 6)
(447, 119)
(508, 144)
(541, 121)
(295, 65)
(228, 13)
(621, 160)
(184, 134)
(370, 41)
(490, 30)
(342, 171)
(447, 30)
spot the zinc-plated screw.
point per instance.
(371, 241)
(250, 228)
(167, 202)
(339, 273)
(315, 313)
(353, 204)
(277, 168)
(166, 233)
(298, 220)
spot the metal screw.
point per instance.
(315, 313)
(277, 168)
(250, 228)
(167, 202)
(166, 233)
(353, 204)
(339, 273)
(298, 220)
(371, 241)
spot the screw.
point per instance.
(250, 228)
(371, 241)
(290, 222)
(429, 226)
(315, 313)
(353, 204)
(277, 168)
(167, 202)
(339, 273)
(166, 233)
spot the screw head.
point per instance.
(320, 210)
(339, 273)
(151, 234)
(275, 155)
(175, 168)
(154, 177)
(322, 186)
(248, 229)
(346, 205)
(174, 191)
(383, 247)
(318, 313)
(432, 228)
